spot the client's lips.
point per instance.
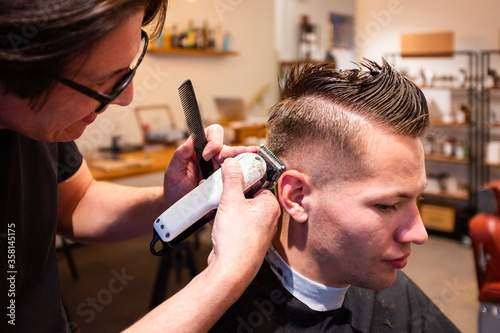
(90, 118)
(398, 263)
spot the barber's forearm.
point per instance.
(111, 212)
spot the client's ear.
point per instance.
(292, 187)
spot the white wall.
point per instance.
(251, 23)
(380, 23)
(288, 18)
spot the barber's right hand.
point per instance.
(243, 228)
(183, 173)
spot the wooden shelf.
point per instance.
(453, 124)
(447, 159)
(491, 125)
(434, 87)
(197, 52)
(491, 164)
(450, 195)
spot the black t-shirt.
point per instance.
(266, 306)
(29, 174)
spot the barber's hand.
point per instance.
(183, 173)
(243, 228)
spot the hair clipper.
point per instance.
(195, 209)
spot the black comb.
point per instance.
(195, 125)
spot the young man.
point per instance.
(61, 64)
(350, 141)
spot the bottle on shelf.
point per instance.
(462, 115)
(166, 38)
(174, 37)
(491, 78)
(190, 41)
(429, 144)
(218, 37)
(194, 39)
(226, 40)
(204, 36)
(448, 147)
(461, 150)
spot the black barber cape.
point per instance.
(266, 306)
(29, 282)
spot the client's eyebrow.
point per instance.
(409, 196)
(404, 195)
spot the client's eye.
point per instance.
(386, 208)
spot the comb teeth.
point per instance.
(193, 117)
(195, 125)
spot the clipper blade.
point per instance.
(274, 167)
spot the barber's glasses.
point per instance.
(120, 86)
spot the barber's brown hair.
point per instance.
(38, 38)
(330, 109)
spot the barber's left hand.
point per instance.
(183, 173)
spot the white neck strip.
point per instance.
(316, 296)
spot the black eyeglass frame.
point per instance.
(120, 86)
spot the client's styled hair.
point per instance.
(331, 109)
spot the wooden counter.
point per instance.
(147, 161)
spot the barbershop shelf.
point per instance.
(446, 159)
(449, 195)
(195, 52)
(489, 123)
(495, 88)
(491, 164)
(445, 87)
(438, 123)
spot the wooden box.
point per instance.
(439, 44)
(439, 218)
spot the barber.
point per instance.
(61, 64)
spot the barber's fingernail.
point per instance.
(208, 156)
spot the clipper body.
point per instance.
(261, 170)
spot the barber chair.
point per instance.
(484, 229)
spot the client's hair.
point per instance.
(331, 109)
